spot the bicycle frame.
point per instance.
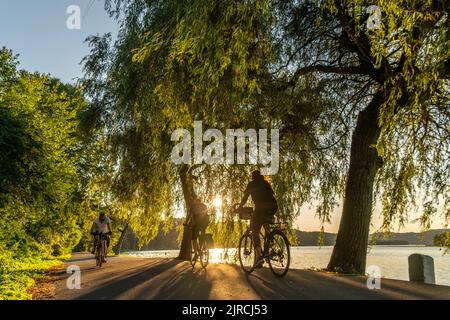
(101, 240)
(272, 230)
(268, 228)
(201, 244)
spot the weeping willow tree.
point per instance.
(361, 102)
(386, 69)
(125, 118)
(382, 122)
(172, 64)
(132, 118)
(195, 85)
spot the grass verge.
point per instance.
(18, 275)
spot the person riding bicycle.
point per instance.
(198, 219)
(101, 224)
(265, 208)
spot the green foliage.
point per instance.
(8, 64)
(40, 174)
(40, 190)
(213, 54)
(18, 274)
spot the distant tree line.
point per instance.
(442, 239)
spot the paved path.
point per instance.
(140, 278)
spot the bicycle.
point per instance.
(204, 243)
(100, 250)
(276, 249)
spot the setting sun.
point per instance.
(217, 202)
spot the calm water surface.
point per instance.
(392, 260)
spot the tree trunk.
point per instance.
(187, 186)
(118, 247)
(350, 250)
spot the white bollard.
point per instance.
(421, 268)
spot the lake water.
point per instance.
(392, 260)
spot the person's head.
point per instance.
(102, 215)
(256, 175)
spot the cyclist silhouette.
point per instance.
(198, 220)
(265, 208)
(101, 224)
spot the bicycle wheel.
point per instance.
(191, 258)
(279, 254)
(100, 254)
(204, 254)
(246, 253)
(97, 254)
(105, 251)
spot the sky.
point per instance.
(37, 31)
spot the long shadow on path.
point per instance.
(306, 285)
(186, 284)
(316, 285)
(122, 285)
